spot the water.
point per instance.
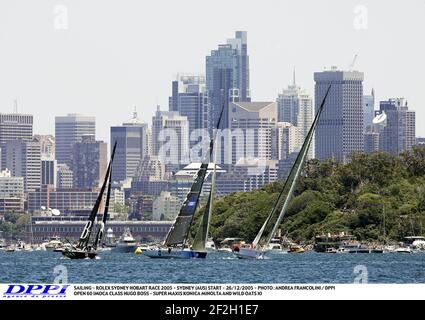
(38, 267)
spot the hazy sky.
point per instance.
(102, 57)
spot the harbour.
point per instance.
(217, 267)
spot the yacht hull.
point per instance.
(247, 253)
(79, 254)
(174, 254)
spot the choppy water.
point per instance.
(38, 267)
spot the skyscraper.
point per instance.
(14, 126)
(227, 75)
(132, 146)
(368, 110)
(295, 106)
(88, 160)
(340, 129)
(69, 129)
(47, 143)
(255, 120)
(284, 140)
(11, 193)
(190, 99)
(65, 178)
(399, 132)
(23, 159)
(170, 136)
(49, 171)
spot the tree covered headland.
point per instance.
(374, 197)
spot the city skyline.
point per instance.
(71, 80)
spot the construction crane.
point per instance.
(352, 63)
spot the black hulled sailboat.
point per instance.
(83, 249)
(175, 244)
(260, 245)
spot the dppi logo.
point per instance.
(36, 291)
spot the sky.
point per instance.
(102, 58)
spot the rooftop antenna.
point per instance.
(15, 106)
(135, 113)
(294, 77)
(352, 63)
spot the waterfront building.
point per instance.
(70, 227)
(66, 201)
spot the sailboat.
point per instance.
(175, 244)
(260, 245)
(83, 250)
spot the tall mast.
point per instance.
(101, 230)
(88, 228)
(264, 239)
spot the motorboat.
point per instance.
(53, 244)
(126, 243)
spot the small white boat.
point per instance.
(249, 253)
(403, 250)
(2, 244)
(53, 244)
(126, 243)
(332, 250)
(11, 248)
(210, 245)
